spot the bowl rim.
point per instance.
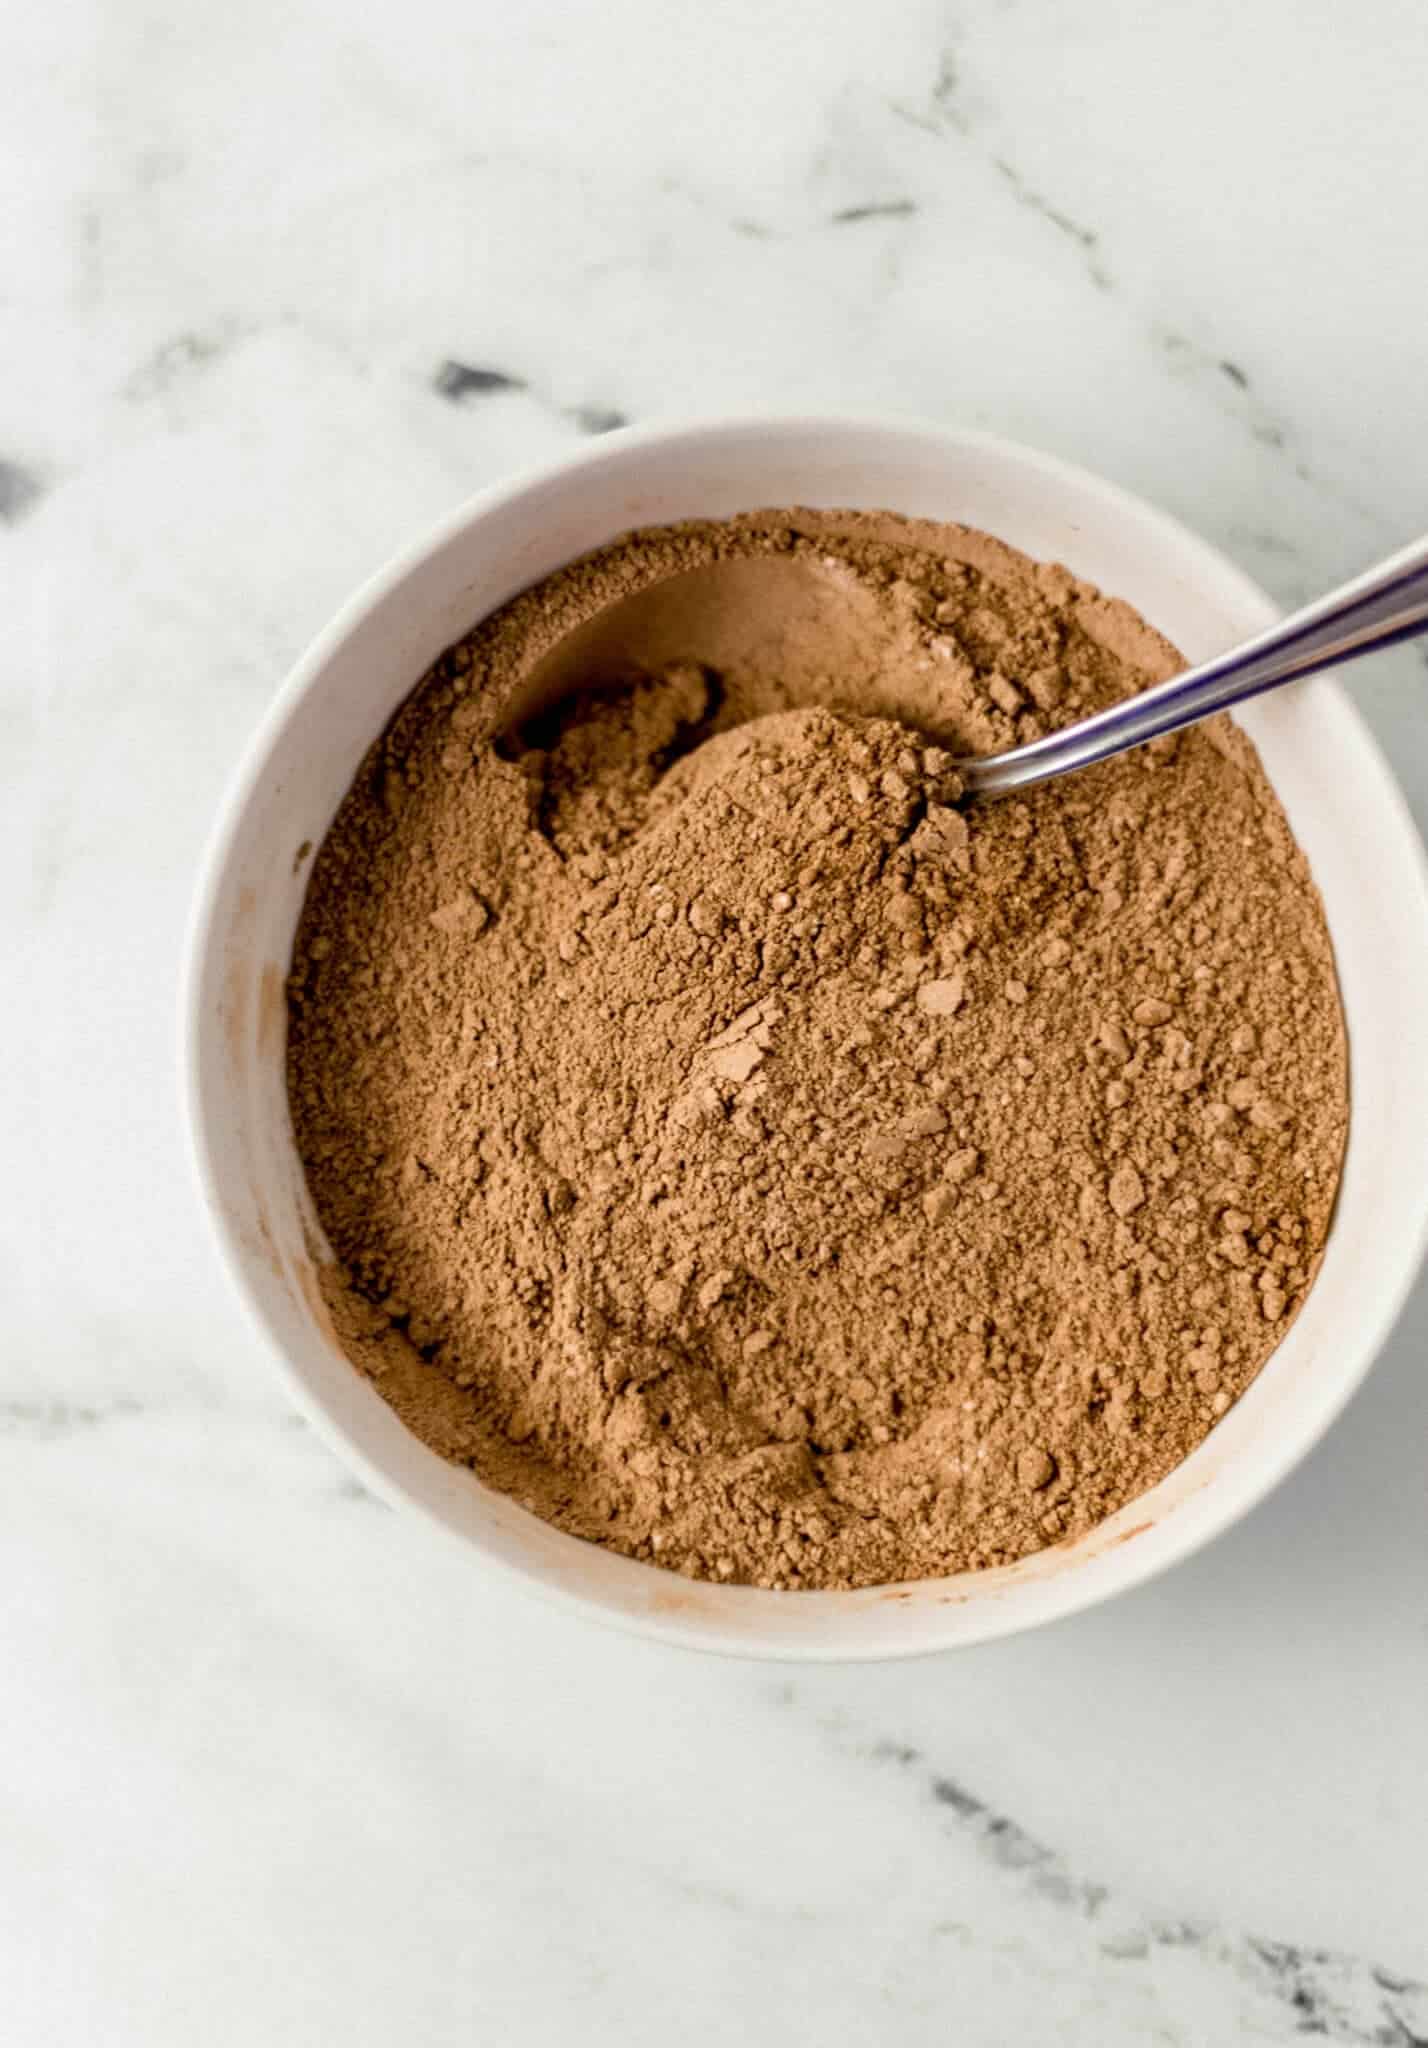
(1138, 1563)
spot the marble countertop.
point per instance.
(276, 1765)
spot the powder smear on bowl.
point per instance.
(748, 1158)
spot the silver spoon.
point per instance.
(1384, 605)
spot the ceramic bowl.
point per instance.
(1340, 799)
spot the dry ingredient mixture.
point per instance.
(753, 1161)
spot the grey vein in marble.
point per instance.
(460, 383)
(45, 1420)
(350, 1487)
(875, 209)
(942, 110)
(945, 111)
(1324, 1992)
(597, 419)
(1086, 239)
(178, 359)
(20, 491)
(1188, 356)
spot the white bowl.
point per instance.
(1341, 802)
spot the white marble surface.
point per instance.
(275, 1766)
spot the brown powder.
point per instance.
(750, 1160)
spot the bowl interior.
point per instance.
(1340, 801)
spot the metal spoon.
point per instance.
(1384, 605)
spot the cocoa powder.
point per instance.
(745, 1156)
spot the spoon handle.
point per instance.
(1385, 604)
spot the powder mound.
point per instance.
(752, 1160)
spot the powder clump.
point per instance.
(748, 1158)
